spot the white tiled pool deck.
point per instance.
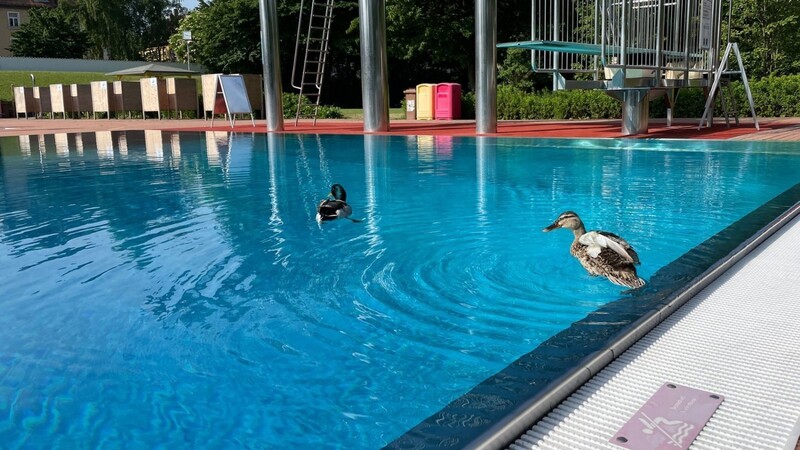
(738, 337)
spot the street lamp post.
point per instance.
(187, 36)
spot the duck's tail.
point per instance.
(633, 282)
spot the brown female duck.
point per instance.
(600, 252)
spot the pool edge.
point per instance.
(537, 407)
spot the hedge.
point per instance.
(307, 111)
(773, 97)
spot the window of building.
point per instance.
(13, 19)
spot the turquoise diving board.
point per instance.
(589, 49)
(555, 46)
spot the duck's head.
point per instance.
(567, 219)
(338, 192)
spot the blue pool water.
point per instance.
(175, 291)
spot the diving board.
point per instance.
(635, 50)
(556, 46)
(589, 49)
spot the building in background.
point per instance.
(14, 13)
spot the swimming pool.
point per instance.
(175, 291)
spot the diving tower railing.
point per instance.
(635, 50)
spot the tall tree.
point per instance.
(767, 32)
(226, 36)
(121, 29)
(50, 33)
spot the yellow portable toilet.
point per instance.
(425, 101)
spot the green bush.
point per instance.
(515, 104)
(467, 105)
(689, 103)
(773, 97)
(307, 109)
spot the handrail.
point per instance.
(297, 45)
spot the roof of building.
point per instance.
(27, 3)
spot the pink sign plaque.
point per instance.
(671, 419)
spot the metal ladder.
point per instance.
(317, 38)
(722, 70)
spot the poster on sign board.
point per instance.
(231, 98)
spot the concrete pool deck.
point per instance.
(775, 129)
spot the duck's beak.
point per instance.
(551, 227)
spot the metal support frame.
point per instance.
(635, 111)
(270, 55)
(374, 65)
(485, 66)
(708, 112)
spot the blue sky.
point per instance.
(189, 4)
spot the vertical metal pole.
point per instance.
(556, 37)
(687, 24)
(595, 65)
(659, 39)
(270, 57)
(604, 38)
(623, 37)
(730, 11)
(374, 65)
(485, 66)
(717, 34)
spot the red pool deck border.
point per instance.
(771, 129)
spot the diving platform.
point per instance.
(634, 50)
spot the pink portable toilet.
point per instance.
(448, 101)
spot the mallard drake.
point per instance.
(335, 206)
(600, 252)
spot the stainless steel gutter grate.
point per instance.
(739, 337)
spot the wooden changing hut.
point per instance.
(154, 96)
(182, 95)
(61, 100)
(127, 97)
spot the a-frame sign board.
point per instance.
(230, 98)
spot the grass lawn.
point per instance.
(7, 78)
(358, 113)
